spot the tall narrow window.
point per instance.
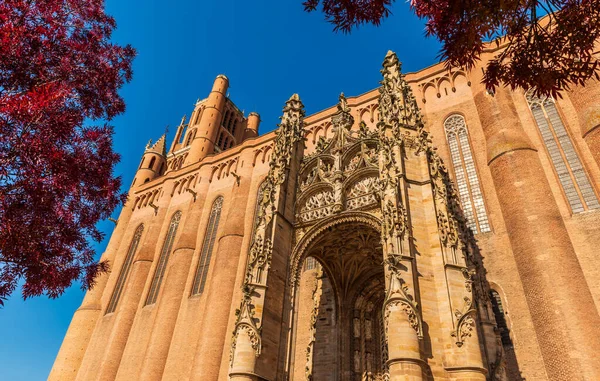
(165, 253)
(500, 319)
(233, 128)
(571, 174)
(220, 141)
(512, 365)
(207, 247)
(226, 119)
(116, 295)
(469, 190)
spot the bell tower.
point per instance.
(204, 140)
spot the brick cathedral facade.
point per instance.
(425, 230)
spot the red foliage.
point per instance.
(549, 54)
(58, 71)
(346, 14)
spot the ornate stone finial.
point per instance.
(398, 107)
(149, 144)
(293, 104)
(292, 123)
(392, 64)
(183, 120)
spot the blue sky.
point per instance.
(268, 49)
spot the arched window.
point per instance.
(207, 247)
(116, 295)
(198, 114)
(190, 137)
(233, 128)
(165, 253)
(151, 165)
(226, 119)
(469, 190)
(500, 319)
(571, 174)
(220, 140)
(512, 365)
(310, 263)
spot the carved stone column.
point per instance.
(462, 268)
(402, 318)
(258, 325)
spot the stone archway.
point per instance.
(390, 182)
(338, 302)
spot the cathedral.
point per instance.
(427, 230)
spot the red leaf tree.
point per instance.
(58, 72)
(547, 45)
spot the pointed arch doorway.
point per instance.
(338, 330)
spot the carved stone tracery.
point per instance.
(357, 177)
(340, 174)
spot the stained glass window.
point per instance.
(116, 295)
(571, 174)
(469, 189)
(207, 247)
(163, 259)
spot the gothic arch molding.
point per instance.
(300, 251)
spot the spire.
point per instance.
(292, 120)
(178, 133)
(159, 147)
(397, 104)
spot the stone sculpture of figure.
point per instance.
(343, 103)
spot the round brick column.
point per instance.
(72, 351)
(215, 336)
(586, 100)
(562, 309)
